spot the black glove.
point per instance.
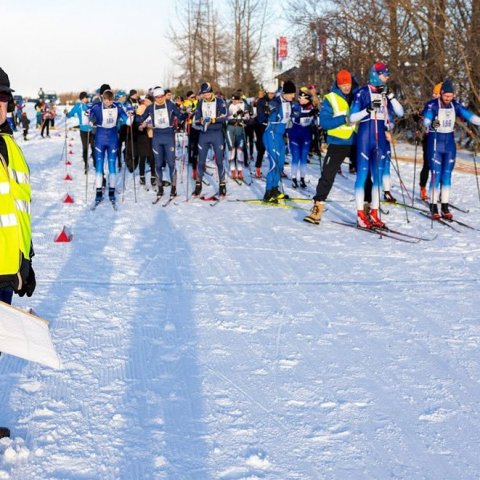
(382, 89)
(239, 113)
(389, 94)
(435, 124)
(314, 112)
(29, 284)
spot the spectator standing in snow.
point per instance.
(25, 124)
(80, 110)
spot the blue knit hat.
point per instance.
(378, 69)
(447, 87)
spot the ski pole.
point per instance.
(475, 165)
(377, 166)
(86, 169)
(414, 172)
(123, 179)
(402, 186)
(434, 198)
(130, 129)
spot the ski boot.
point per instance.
(142, 181)
(278, 194)
(270, 197)
(222, 190)
(446, 214)
(233, 174)
(388, 197)
(153, 181)
(240, 175)
(160, 191)
(198, 188)
(294, 183)
(434, 211)
(423, 193)
(4, 432)
(302, 183)
(375, 219)
(98, 196)
(173, 191)
(111, 194)
(316, 213)
(258, 172)
(363, 220)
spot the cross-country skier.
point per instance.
(300, 135)
(210, 116)
(373, 107)
(423, 137)
(341, 138)
(439, 117)
(261, 120)
(278, 121)
(162, 114)
(144, 144)
(106, 115)
(80, 110)
(236, 116)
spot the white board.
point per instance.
(26, 336)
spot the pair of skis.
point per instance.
(387, 232)
(96, 204)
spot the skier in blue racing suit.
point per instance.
(439, 117)
(373, 107)
(106, 115)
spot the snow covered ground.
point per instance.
(238, 342)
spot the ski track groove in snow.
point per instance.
(237, 342)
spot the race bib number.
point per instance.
(209, 109)
(287, 111)
(378, 114)
(110, 116)
(85, 118)
(161, 118)
(446, 117)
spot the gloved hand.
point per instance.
(389, 94)
(239, 113)
(314, 112)
(207, 120)
(435, 124)
(29, 284)
(382, 89)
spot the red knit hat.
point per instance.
(344, 77)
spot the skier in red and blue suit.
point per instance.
(280, 108)
(373, 107)
(106, 115)
(439, 117)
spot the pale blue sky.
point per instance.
(72, 45)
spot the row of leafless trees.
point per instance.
(221, 47)
(423, 42)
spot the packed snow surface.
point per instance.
(239, 342)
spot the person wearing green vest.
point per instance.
(341, 138)
(16, 272)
